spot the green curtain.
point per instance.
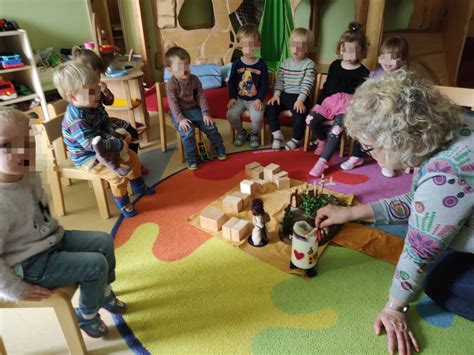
(275, 29)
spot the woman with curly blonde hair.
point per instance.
(403, 122)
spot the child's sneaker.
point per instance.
(221, 156)
(192, 166)
(241, 138)
(351, 163)
(125, 207)
(321, 145)
(95, 327)
(254, 141)
(387, 172)
(139, 187)
(114, 305)
(277, 140)
(319, 168)
(292, 144)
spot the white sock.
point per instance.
(277, 139)
(292, 144)
(88, 316)
(107, 290)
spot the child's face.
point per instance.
(351, 52)
(87, 97)
(249, 46)
(180, 68)
(17, 149)
(390, 61)
(299, 48)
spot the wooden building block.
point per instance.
(269, 171)
(248, 187)
(261, 185)
(245, 198)
(281, 174)
(240, 230)
(257, 173)
(227, 228)
(283, 183)
(232, 204)
(250, 167)
(212, 219)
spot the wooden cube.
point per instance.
(240, 230)
(250, 167)
(245, 198)
(248, 187)
(227, 228)
(281, 174)
(283, 183)
(212, 219)
(261, 185)
(257, 173)
(269, 171)
(232, 204)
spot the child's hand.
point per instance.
(185, 124)
(258, 105)
(35, 293)
(127, 137)
(103, 86)
(208, 120)
(231, 103)
(273, 100)
(299, 106)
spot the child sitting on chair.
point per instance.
(293, 87)
(248, 83)
(393, 56)
(188, 106)
(36, 254)
(86, 119)
(344, 76)
(91, 59)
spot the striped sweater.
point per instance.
(296, 77)
(80, 126)
(185, 95)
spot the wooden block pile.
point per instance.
(259, 178)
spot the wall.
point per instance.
(50, 23)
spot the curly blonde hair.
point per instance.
(404, 114)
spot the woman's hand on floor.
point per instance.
(35, 293)
(331, 214)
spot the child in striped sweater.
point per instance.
(86, 119)
(293, 89)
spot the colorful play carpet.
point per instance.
(189, 292)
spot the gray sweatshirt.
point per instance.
(295, 77)
(26, 229)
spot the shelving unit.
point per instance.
(17, 42)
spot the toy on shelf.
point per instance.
(8, 25)
(7, 90)
(304, 247)
(115, 70)
(260, 235)
(8, 61)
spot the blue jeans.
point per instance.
(450, 282)
(84, 258)
(189, 142)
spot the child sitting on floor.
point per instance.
(393, 56)
(248, 83)
(344, 76)
(188, 106)
(91, 59)
(85, 119)
(36, 254)
(293, 87)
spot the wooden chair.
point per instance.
(60, 301)
(460, 96)
(59, 166)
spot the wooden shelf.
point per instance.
(19, 99)
(11, 70)
(11, 33)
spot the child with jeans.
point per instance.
(36, 253)
(293, 87)
(86, 119)
(248, 83)
(188, 106)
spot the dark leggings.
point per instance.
(450, 282)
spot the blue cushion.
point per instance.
(225, 72)
(208, 74)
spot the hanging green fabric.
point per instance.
(275, 29)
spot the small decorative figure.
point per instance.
(260, 235)
(304, 247)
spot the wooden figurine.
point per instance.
(232, 204)
(212, 219)
(269, 171)
(248, 187)
(250, 167)
(260, 234)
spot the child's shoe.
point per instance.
(277, 140)
(139, 187)
(114, 305)
(241, 138)
(125, 207)
(95, 327)
(321, 145)
(144, 170)
(292, 144)
(221, 156)
(387, 172)
(319, 168)
(351, 163)
(254, 141)
(192, 166)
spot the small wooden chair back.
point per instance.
(460, 96)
